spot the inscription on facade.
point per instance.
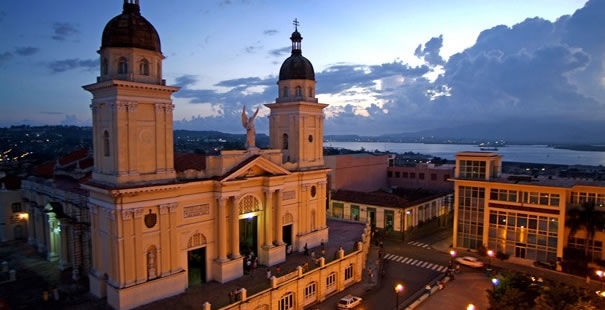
(197, 210)
(289, 195)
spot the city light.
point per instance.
(495, 281)
(452, 253)
(23, 216)
(399, 288)
(490, 253)
(470, 307)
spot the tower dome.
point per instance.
(130, 29)
(296, 67)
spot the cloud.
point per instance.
(5, 58)
(280, 52)
(51, 113)
(64, 31)
(72, 64)
(26, 50)
(252, 49)
(270, 32)
(430, 52)
(186, 80)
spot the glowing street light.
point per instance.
(470, 307)
(600, 274)
(398, 289)
(490, 254)
(495, 281)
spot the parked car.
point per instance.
(470, 261)
(349, 302)
(548, 265)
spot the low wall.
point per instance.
(301, 289)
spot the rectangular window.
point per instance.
(472, 169)
(286, 302)
(512, 196)
(397, 174)
(310, 290)
(544, 199)
(331, 280)
(412, 175)
(433, 177)
(421, 176)
(554, 200)
(533, 198)
(493, 194)
(404, 175)
(349, 272)
(574, 197)
(389, 174)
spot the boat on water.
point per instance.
(488, 148)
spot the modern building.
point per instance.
(522, 216)
(390, 211)
(155, 231)
(422, 175)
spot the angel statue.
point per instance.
(248, 123)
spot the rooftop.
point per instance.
(399, 198)
(478, 154)
(549, 181)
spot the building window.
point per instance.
(104, 66)
(298, 91)
(310, 138)
(349, 272)
(144, 67)
(355, 212)
(404, 175)
(433, 177)
(285, 92)
(421, 176)
(397, 174)
(286, 302)
(285, 141)
(16, 207)
(310, 91)
(594, 247)
(472, 169)
(122, 66)
(390, 174)
(106, 143)
(331, 280)
(338, 209)
(310, 290)
(470, 216)
(412, 175)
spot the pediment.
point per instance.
(254, 167)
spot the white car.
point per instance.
(470, 261)
(349, 302)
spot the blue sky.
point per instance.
(366, 54)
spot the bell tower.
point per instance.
(131, 104)
(296, 119)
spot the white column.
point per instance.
(222, 229)
(268, 218)
(279, 240)
(234, 229)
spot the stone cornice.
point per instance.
(129, 84)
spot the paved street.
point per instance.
(469, 287)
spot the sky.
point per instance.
(382, 66)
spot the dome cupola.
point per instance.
(296, 67)
(130, 29)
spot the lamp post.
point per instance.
(398, 289)
(452, 255)
(600, 274)
(470, 307)
(490, 254)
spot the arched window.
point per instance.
(106, 143)
(144, 67)
(298, 91)
(123, 66)
(285, 94)
(152, 265)
(285, 141)
(104, 66)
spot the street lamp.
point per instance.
(495, 281)
(600, 274)
(490, 254)
(452, 255)
(398, 289)
(470, 307)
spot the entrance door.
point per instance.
(389, 218)
(372, 216)
(248, 235)
(520, 252)
(354, 212)
(287, 234)
(196, 262)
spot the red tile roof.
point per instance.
(186, 161)
(73, 156)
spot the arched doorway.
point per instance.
(249, 209)
(196, 259)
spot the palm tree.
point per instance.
(588, 218)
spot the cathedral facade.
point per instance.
(155, 229)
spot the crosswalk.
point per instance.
(420, 244)
(415, 262)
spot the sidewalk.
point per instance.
(467, 288)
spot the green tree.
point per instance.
(588, 218)
(514, 291)
(558, 296)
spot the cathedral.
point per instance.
(156, 229)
